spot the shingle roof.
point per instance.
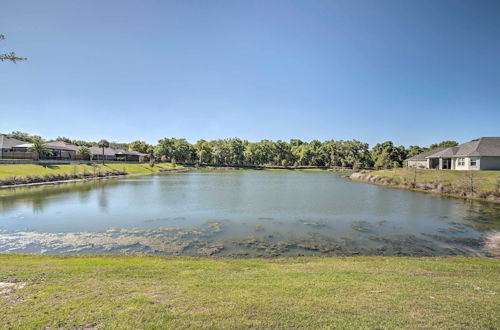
(485, 146)
(423, 155)
(62, 145)
(7, 142)
(107, 151)
(50, 145)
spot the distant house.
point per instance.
(16, 149)
(421, 160)
(59, 150)
(478, 154)
(130, 155)
(109, 153)
(116, 154)
(6, 145)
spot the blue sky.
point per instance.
(415, 72)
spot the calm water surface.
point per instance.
(240, 213)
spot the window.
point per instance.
(461, 162)
(473, 161)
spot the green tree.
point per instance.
(84, 152)
(414, 150)
(10, 56)
(203, 151)
(386, 154)
(40, 149)
(103, 144)
(236, 151)
(443, 144)
(164, 149)
(24, 136)
(140, 146)
(183, 151)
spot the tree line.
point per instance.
(234, 151)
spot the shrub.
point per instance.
(11, 181)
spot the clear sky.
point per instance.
(415, 72)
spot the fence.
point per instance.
(18, 155)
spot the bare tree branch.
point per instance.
(10, 56)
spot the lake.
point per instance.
(240, 213)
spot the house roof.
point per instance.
(24, 145)
(49, 145)
(424, 155)
(107, 151)
(485, 146)
(62, 145)
(135, 153)
(7, 142)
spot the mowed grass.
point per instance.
(485, 180)
(22, 170)
(179, 292)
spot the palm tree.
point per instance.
(103, 144)
(40, 149)
(84, 152)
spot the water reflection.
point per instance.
(255, 213)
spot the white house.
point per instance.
(478, 154)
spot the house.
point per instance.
(478, 154)
(421, 160)
(16, 149)
(58, 150)
(6, 145)
(97, 153)
(130, 155)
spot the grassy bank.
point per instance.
(485, 180)
(469, 184)
(157, 292)
(23, 170)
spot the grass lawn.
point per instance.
(179, 292)
(486, 180)
(20, 170)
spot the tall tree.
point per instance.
(203, 151)
(24, 136)
(139, 146)
(103, 144)
(443, 144)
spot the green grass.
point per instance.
(486, 180)
(21, 170)
(157, 292)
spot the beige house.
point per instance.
(478, 154)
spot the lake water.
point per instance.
(240, 213)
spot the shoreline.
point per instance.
(181, 168)
(426, 187)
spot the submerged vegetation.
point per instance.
(206, 240)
